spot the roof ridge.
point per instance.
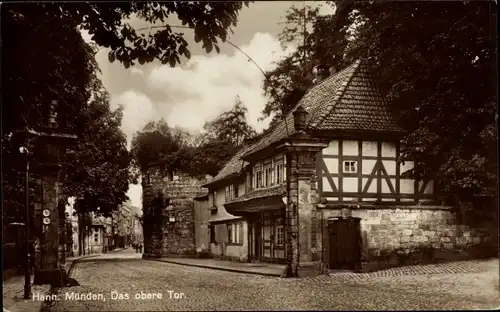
(284, 118)
(338, 95)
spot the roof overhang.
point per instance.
(297, 141)
(268, 203)
(232, 178)
(357, 135)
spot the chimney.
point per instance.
(300, 118)
(323, 72)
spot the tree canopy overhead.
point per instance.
(106, 23)
(436, 61)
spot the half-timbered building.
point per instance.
(325, 187)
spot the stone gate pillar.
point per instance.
(49, 269)
(302, 226)
(302, 201)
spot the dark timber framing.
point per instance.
(378, 174)
(341, 169)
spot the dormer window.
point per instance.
(350, 166)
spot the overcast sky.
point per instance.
(207, 84)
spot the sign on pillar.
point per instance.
(49, 271)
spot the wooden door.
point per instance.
(345, 243)
(257, 239)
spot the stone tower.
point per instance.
(177, 234)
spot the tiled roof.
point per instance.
(234, 165)
(260, 193)
(347, 100)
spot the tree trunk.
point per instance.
(80, 236)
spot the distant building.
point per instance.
(98, 236)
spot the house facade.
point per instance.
(228, 234)
(325, 187)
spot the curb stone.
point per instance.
(46, 306)
(218, 268)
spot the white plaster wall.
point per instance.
(368, 165)
(350, 184)
(332, 164)
(369, 148)
(388, 149)
(406, 186)
(350, 148)
(332, 149)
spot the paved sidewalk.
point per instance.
(457, 267)
(13, 291)
(266, 269)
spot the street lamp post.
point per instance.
(27, 224)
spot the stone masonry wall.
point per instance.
(409, 235)
(178, 232)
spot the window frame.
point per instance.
(280, 229)
(350, 166)
(257, 177)
(268, 176)
(279, 166)
(229, 228)
(235, 191)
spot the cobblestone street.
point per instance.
(191, 288)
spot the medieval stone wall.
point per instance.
(415, 234)
(177, 236)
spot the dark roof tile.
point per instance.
(347, 101)
(233, 166)
(260, 193)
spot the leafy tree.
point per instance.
(436, 61)
(106, 23)
(232, 126)
(223, 136)
(98, 176)
(323, 47)
(44, 60)
(210, 157)
(157, 144)
(288, 82)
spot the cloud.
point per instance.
(138, 111)
(199, 90)
(207, 85)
